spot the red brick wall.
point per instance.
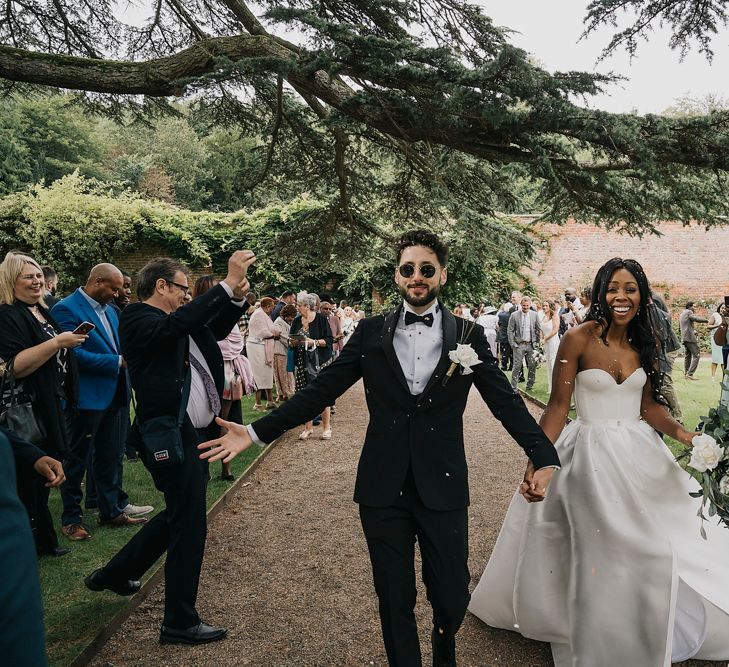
(686, 262)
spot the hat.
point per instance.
(490, 310)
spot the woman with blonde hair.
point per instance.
(45, 374)
(259, 348)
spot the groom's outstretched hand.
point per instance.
(534, 486)
(228, 446)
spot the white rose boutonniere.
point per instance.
(465, 357)
(705, 453)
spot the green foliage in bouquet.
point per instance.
(708, 463)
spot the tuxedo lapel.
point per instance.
(388, 332)
(450, 337)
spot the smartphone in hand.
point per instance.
(84, 328)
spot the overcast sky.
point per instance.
(550, 31)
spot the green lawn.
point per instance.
(695, 397)
(73, 614)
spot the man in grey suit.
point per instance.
(523, 332)
(686, 321)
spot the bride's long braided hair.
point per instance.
(641, 333)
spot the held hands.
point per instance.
(51, 470)
(238, 265)
(228, 446)
(534, 486)
(68, 339)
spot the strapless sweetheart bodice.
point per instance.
(599, 398)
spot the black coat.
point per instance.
(154, 343)
(19, 330)
(424, 432)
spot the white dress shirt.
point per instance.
(526, 326)
(198, 405)
(100, 311)
(418, 347)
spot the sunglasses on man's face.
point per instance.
(408, 270)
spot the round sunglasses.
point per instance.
(408, 270)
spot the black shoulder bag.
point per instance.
(162, 436)
(19, 417)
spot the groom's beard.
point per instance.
(431, 295)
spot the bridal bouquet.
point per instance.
(708, 463)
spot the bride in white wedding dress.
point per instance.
(611, 568)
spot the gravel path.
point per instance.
(287, 571)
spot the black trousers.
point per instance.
(507, 356)
(180, 530)
(391, 533)
(33, 493)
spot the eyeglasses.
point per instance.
(408, 270)
(184, 288)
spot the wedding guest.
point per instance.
(288, 298)
(686, 321)
(45, 370)
(585, 300)
(574, 306)
(259, 346)
(550, 332)
(358, 313)
(326, 305)
(51, 280)
(717, 359)
(311, 353)
(251, 300)
(124, 296)
(233, 372)
(104, 394)
(663, 325)
(120, 302)
(524, 334)
(507, 359)
(281, 376)
(349, 323)
(176, 370)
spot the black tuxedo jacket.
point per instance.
(153, 344)
(423, 432)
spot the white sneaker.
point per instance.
(137, 510)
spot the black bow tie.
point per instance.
(412, 318)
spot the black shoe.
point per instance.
(521, 379)
(96, 581)
(228, 478)
(56, 552)
(197, 634)
(444, 649)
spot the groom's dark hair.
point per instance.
(424, 238)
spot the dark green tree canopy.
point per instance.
(429, 92)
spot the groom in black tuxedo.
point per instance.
(412, 479)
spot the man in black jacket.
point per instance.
(171, 350)
(412, 475)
